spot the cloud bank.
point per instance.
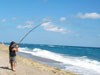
(24, 27)
(28, 24)
(49, 26)
(89, 16)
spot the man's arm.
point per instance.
(15, 49)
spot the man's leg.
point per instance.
(14, 66)
(11, 65)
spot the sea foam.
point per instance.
(81, 65)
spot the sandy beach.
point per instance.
(26, 66)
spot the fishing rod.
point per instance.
(29, 33)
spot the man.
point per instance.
(13, 48)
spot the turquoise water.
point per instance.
(90, 52)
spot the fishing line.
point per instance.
(29, 32)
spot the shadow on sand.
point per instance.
(5, 68)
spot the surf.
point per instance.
(83, 64)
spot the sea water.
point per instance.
(79, 60)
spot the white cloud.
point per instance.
(62, 19)
(89, 16)
(46, 23)
(48, 26)
(29, 22)
(24, 27)
(3, 20)
(46, 19)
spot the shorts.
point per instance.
(12, 59)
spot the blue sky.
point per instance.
(69, 22)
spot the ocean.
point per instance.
(79, 60)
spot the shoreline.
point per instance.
(31, 64)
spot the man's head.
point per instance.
(12, 43)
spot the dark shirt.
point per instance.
(12, 53)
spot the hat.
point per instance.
(12, 43)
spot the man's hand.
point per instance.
(17, 46)
(17, 43)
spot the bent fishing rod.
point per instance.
(29, 33)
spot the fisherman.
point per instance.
(13, 48)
